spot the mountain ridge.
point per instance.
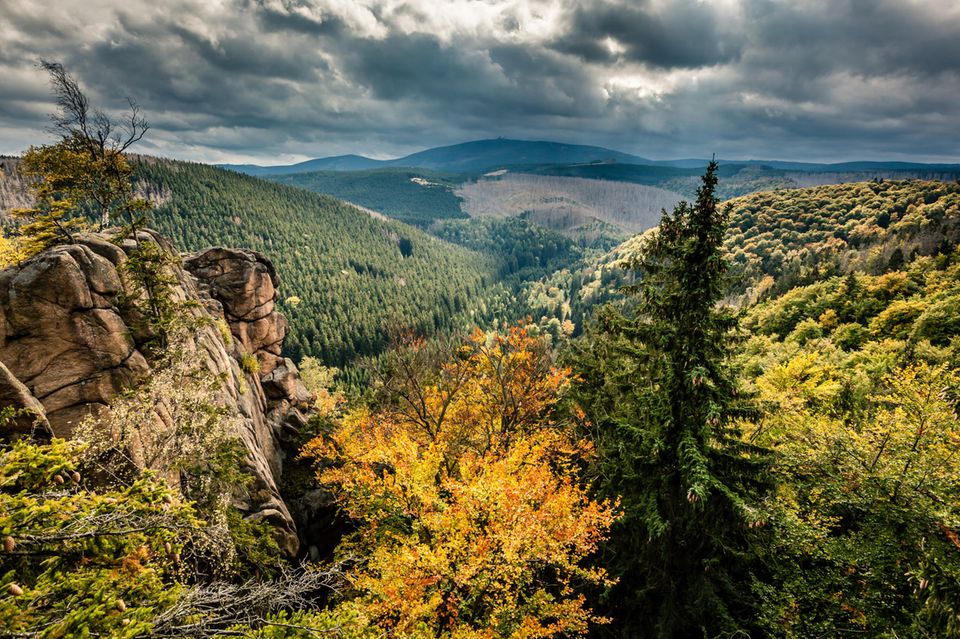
(472, 156)
(477, 156)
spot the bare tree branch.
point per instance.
(213, 608)
(105, 140)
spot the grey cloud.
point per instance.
(682, 33)
(292, 20)
(265, 79)
(873, 37)
(505, 83)
(418, 66)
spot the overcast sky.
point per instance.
(283, 80)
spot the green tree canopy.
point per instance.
(663, 399)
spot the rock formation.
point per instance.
(68, 346)
(245, 283)
(28, 419)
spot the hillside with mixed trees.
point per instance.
(756, 437)
(855, 368)
(779, 239)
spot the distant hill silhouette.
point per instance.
(479, 156)
(469, 157)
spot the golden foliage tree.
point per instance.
(464, 488)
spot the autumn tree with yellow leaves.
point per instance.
(463, 483)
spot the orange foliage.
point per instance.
(472, 522)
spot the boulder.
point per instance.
(245, 283)
(284, 383)
(63, 337)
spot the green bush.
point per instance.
(807, 330)
(249, 364)
(850, 336)
(939, 322)
(896, 321)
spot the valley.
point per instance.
(465, 264)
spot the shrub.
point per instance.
(805, 331)
(850, 336)
(939, 322)
(249, 364)
(897, 319)
(224, 330)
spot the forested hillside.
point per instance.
(803, 235)
(526, 251)
(596, 196)
(587, 201)
(414, 196)
(346, 276)
(584, 209)
(737, 178)
(853, 360)
(743, 178)
(784, 238)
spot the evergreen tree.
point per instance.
(659, 390)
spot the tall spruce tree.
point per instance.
(660, 391)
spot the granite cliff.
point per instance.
(69, 345)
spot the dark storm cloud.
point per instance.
(683, 33)
(419, 67)
(497, 81)
(876, 37)
(273, 19)
(286, 79)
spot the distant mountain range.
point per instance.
(481, 156)
(335, 163)
(469, 157)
